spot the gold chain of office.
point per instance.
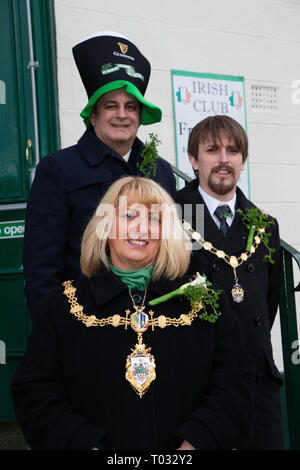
(116, 320)
(140, 364)
(234, 262)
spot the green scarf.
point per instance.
(134, 279)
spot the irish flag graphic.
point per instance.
(236, 99)
(183, 95)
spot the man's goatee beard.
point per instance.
(222, 188)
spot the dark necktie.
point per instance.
(222, 212)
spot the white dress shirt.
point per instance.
(212, 203)
(126, 157)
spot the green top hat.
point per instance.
(108, 61)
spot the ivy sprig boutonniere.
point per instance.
(197, 291)
(257, 221)
(149, 156)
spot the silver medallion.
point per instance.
(237, 293)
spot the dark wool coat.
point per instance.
(256, 313)
(70, 390)
(67, 188)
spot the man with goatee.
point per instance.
(218, 150)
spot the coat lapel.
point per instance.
(108, 286)
(236, 239)
(211, 231)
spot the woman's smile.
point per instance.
(135, 236)
(139, 243)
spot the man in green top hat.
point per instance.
(69, 183)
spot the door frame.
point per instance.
(44, 44)
(43, 32)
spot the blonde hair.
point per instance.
(174, 252)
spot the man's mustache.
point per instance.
(222, 168)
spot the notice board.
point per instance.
(198, 95)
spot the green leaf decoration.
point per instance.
(208, 298)
(149, 156)
(197, 291)
(255, 221)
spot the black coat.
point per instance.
(70, 390)
(256, 313)
(67, 188)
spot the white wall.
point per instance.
(256, 39)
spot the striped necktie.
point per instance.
(222, 212)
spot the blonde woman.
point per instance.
(106, 370)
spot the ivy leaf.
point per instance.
(149, 156)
